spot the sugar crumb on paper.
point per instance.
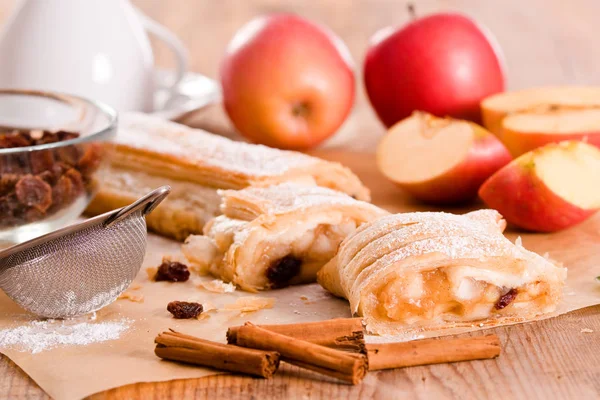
(250, 304)
(133, 297)
(215, 286)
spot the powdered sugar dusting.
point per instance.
(38, 336)
(288, 197)
(155, 134)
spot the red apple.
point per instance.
(287, 82)
(440, 160)
(548, 189)
(444, 64)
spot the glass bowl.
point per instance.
(50, 155)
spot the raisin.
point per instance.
(184, 309)
(9, 206)
(33, 214)
(7, 183)
(68, 154)
(48, 137)
(58, 170)
(91, 159)
(33, 182)
(506, 299)
(66, 135)
(14, 140)
(172, 271)
(62, 192)
(34, 192)
(76, 180)
(16, 164)
(47, 176)
(283, 270)
(41, 161)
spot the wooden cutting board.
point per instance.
(546, 359)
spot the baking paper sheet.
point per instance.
(73, 372)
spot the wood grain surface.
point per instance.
(545, 42)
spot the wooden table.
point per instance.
(545, 42)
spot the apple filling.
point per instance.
(298, 258)
(435, 295)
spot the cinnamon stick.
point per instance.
(348, 367)
(339, 333)
(431, 351)
(189, 349)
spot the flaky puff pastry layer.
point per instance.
(185, 211)
(276, 236)
(149, 149)
(430, 270)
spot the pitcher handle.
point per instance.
(173, 42)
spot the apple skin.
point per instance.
(520, 143)
(443, 64)
(524, 200)
(461, 183)
(287, 82)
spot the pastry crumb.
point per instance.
(208, 307)
(134, 286)
(250, 304)
(151, 271)
(519, 241)
(180, 258)
(305, 300)
(216, 286)
(127, 295)
(586, 330)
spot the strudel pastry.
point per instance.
(149, 152)
(431, 270)
(276, 236)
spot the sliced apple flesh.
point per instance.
(495, 108)
(439, 160)
(523, 132)
(572, 171)
(548, 189)
(422, 147)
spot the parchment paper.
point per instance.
(74, 372)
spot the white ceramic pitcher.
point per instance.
(93, 48)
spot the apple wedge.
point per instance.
(496, 107)
(440, 160)
(548, 189)
(527, 119)
(523, 132)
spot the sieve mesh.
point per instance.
(78, 273)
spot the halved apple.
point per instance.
(440, 160)
(530, 118)
(548, 189)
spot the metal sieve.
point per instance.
(80, 268)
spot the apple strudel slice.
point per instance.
(276, 236)
(433, 270)
(148, 150)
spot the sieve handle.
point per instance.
(147, 203)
